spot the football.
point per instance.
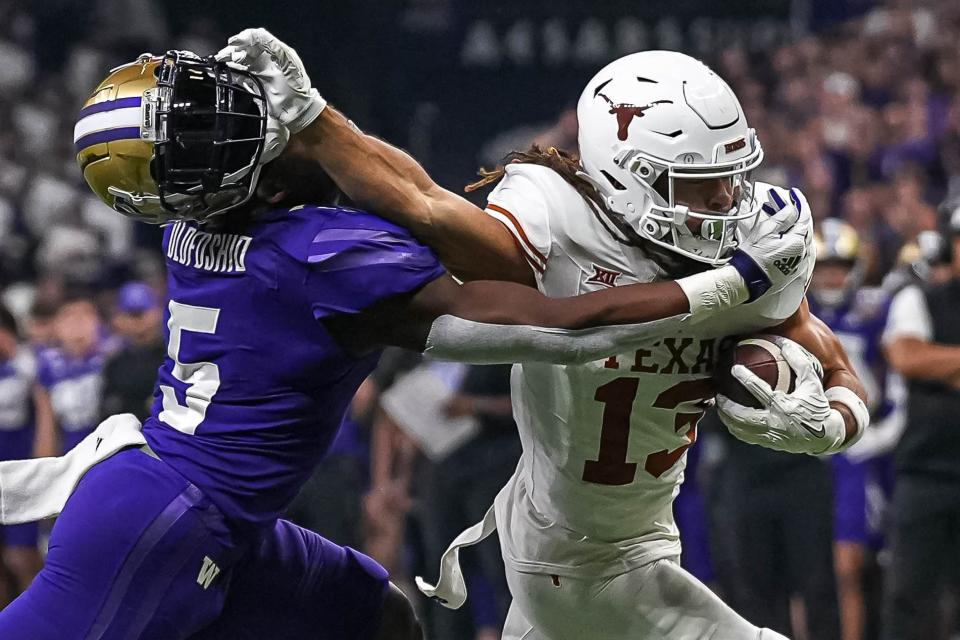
(761, 355)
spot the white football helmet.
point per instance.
(658, 113)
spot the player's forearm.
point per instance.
(371, 172)
(918, 359)
(816, 337)
(454, 338)
(387, 181)
(499, 322)
(838, 374)
(621, 305)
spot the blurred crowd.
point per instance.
(862, 114)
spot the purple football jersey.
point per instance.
(859, 324)
(861, 489)
(253, 389)
(16, 398)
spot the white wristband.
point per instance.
(861, 415)
(715, 290)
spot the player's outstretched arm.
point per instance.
(504, 322)
(374, 174)
(385, 179)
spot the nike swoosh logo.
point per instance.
(817, 433)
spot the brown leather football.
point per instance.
(762, 356)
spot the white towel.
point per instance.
(451, 588)
(36, 489)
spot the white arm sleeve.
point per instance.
(453, 338)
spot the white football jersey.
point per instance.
(604, 443)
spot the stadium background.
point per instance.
(857, 103)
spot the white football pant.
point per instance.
(658, 601)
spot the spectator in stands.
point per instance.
(70, 377)
(40, 324)
(130, 374)
(20, 558)
(922, 342)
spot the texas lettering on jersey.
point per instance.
(681, 356)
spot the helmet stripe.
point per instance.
(109, 105)
(109, 135)
(129, 117)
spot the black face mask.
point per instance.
(212, 123)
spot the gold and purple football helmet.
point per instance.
(839, 270)
(173, 137)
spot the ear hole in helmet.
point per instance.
(613, 181)
(661, 186)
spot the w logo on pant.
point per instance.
(208, 572)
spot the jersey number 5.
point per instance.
(611, 466)
(202, 378)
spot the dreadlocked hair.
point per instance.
(563, 162)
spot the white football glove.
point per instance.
(799, 422)
(770, 255)
(290, 98)
(275, 140)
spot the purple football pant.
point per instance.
(690, 513)
(861, 491)
(139, 553)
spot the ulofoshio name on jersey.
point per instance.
(217, 252)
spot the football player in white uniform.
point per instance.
(662, 190)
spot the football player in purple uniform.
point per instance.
(277, 311)
(18, 543)
(862, 475)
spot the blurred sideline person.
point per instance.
(70, 376)
(862, 475)
(926, 260)
(771, 517)
(39, 325)
(20, 556)
(922, 342)
(662, 187)
(330, 501)
(457, 490)
(130, 373)
(276, 315)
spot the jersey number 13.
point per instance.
(611, 466)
